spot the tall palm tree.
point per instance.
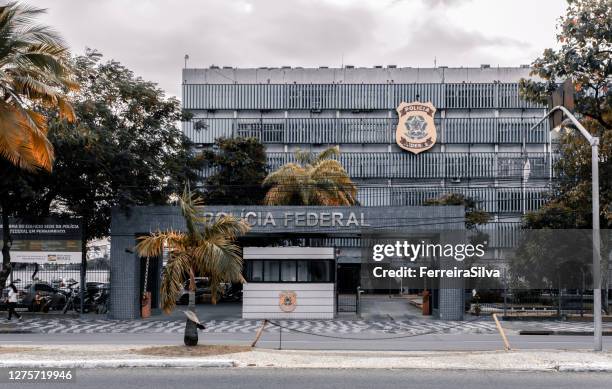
(314, 179)
(207, 248)
(34, 78)
(33, 74)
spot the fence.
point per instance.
(53, 274)
(535, 302)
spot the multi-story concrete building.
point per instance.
(484, 149)
(481, 122)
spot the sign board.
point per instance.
(47, 240)
(321, 219)
(416, 130)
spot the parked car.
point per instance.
(202, 288)
(42, 296)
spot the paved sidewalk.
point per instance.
(94, 356)
(482, 325)
(80, 326)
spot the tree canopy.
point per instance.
(315, 179)
(239, 166)
(585, 57)
(124, 149)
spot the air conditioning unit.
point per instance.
(456, 180)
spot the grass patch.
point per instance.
(196, 351)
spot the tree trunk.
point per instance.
(83, 273)
(6, 248)
(192, 289)
(191, 329)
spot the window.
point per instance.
(271, 271)
(257, 271)
(302, 271)
(320, 271)
(288, 273)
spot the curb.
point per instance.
(563, 332)
(120, 363)
(591, 368)
(7, 331)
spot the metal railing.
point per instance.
(368, 130)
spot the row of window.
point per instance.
(274, 270)
(364, 130)
(504, 200)
(452, 166)
(448, 165)
(351, 96)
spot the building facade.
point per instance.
(484, 145)
(484, 148)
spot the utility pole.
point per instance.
(594, 142)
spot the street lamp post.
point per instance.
(594, 142)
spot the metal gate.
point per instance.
(348, 302)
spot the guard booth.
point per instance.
(289, 283)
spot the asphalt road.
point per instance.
(441, 342)
(316, 379)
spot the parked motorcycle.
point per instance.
(42, 297)
(101, 300)
(72, 296)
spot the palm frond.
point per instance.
(227, 226)
(189, 202)
(153, 245)
(33, 72)
(327, 154)
(173, 278)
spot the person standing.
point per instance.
(12, 302)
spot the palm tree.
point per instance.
(207, 248)
(34, 77)
(315, 179)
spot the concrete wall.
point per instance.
(126, 226)
(313, 301)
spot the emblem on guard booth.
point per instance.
(287, 300)
(416, 131)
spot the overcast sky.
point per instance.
(152, 36)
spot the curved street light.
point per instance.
(594, 142)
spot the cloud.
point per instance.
(152, 36)
(446, 3)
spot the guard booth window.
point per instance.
(273, 270)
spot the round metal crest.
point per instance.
(287, 300)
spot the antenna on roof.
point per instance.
(186, 58)
(435, 62)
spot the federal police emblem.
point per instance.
(287, 300)
(416, 131)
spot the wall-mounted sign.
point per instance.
(287, 300)
(48, 240)
(416, 131)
